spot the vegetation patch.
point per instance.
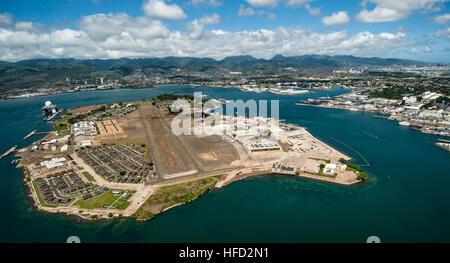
(88, 176)
(318, 159)
(168, 196)
(360, 174)
(106, 200)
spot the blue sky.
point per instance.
(414, 29)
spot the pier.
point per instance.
(29, 135)
(380, 117)
(443, 145)
(9, 151)
(35, 133)
(442, 140)
(309, 104)
(15, 161)
(53, 116)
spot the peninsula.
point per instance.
(123, 160)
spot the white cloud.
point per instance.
(294, 3)
(306, 3)
(119, 35)
(102, 26)
(416, 50)
(393, 10)
(442, 19)
(5, 19)
(380, 14)
(261, 3)
(271, 16)
(336, 18)
(443, 33)
(159, 9)
(214, 3)
(24, 25)
(246, 11)
(197, 25)
(312, 10)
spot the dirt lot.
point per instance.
(133, 129)
(85, 109)
(210, 152)
(110, 129)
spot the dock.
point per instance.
(15, 161)
(380, 117)
(9, 151)
(35, 133)
(309, 104)
(442, 145)
(442, 140)
(53, 116)
(29, 135)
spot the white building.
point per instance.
(84, 128)
(329, 168)
(49, 142)
(409, 100)
(264, 146)
(177, 106)
(86, 143)
(53, 163)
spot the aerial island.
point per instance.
(123, 160)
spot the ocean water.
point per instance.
(406, 198)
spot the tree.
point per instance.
(361, 176)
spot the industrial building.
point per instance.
(265, 146)
(84, 128)
(53, 163)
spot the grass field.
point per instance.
(61, 125)
(171, 195)
(105, 200)
(88, 176)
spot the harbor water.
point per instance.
(406, 198)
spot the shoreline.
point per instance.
(380, 116)
(77, 91)
(37, 207)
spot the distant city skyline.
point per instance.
(84, 29)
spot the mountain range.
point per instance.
(36, 72)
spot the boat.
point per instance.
(403, 123)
